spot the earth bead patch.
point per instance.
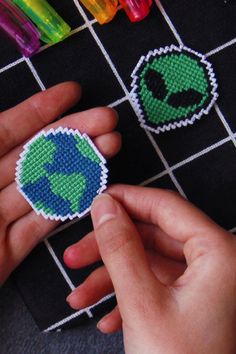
(60, 172)
(172, 87)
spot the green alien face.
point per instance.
(172, 87)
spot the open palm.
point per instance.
(20, 227)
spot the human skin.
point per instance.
(172, 268)
(20, 228)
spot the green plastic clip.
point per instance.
(52, 27)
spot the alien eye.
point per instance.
(156, 84)
(185, 98)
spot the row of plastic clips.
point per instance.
(28, 22)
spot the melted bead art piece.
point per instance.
(172, 87)
(60, 172)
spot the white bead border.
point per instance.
(103, 180)
(184, 122)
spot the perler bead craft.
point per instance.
(60, 172)
(172, 87)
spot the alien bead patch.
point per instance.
(172, 87)
(60, 172)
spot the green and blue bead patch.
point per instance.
(60, 172)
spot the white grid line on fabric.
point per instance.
(165, 163)
(85, 26)
(11, 65)
(77, 314)
(221, 47)
(63, 271)
(154, 178)
(35, 74)
(101, 47)
(89, 25)
(118, 102)
(178, 38)
(201, 153)
(225, 123)
(74, 31)
(233, 230)
(188, 160)
(169, 22)
(59, 265)
(173, 29)
(118, 77)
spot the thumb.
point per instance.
(124, 256)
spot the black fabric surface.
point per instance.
(199, 161)
(19, 333)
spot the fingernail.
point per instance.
(74, 305)
(116, 113)
(103, 209)
(71, 252)
(103, 324)
(71, 298)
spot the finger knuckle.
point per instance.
(164, 199)
(3, 218)
(116, 240)
(34, 228)
(171, 194)
(108, 115)
(105, 111)
(6, 138)
(37, 105)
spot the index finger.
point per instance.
(173, 214)
(19, 123)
